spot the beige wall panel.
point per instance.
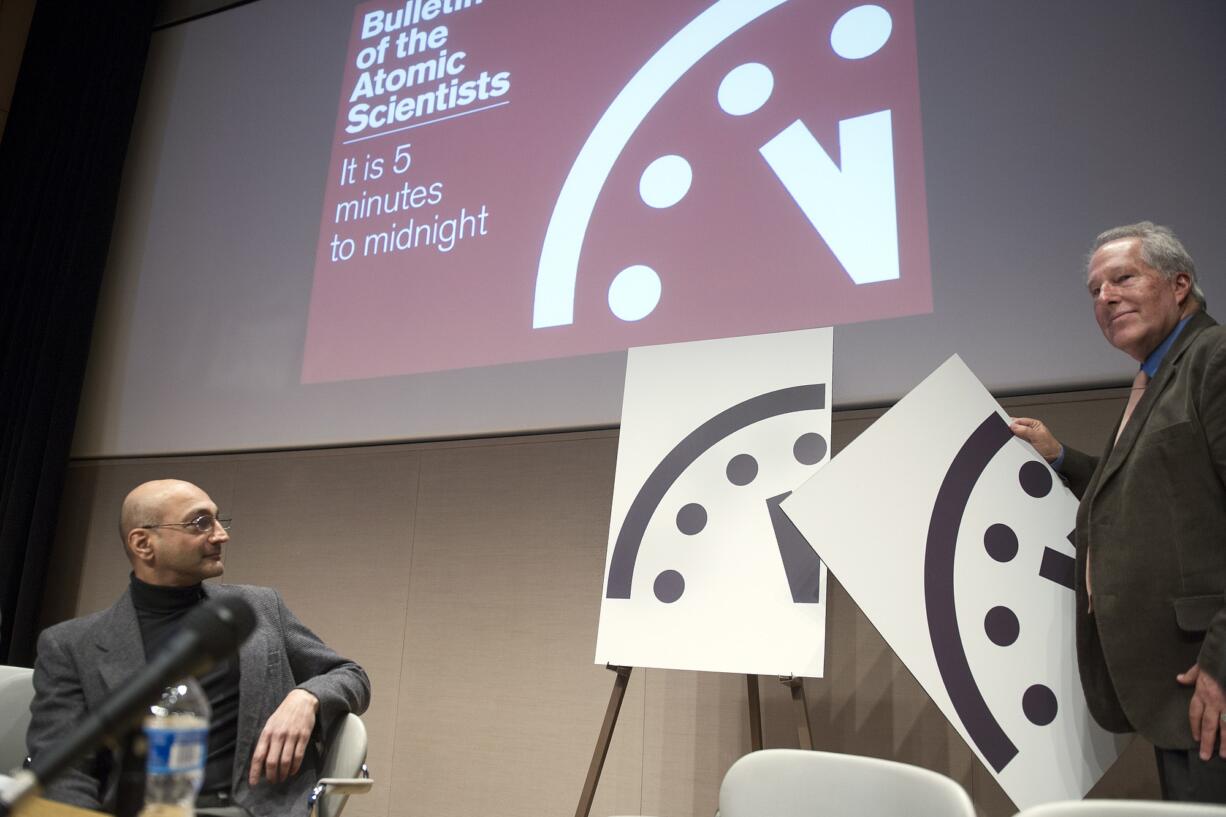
(86, 543)
(695, 725)
(1134, 775)
(501, 702)
(845, 427)
(333, 532)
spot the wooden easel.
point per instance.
(804, 728)
(800, 705)
(603, 739)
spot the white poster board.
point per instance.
(704, 571)
(954, 538)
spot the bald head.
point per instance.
(161, 535)
(146, 504)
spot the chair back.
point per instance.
(16, 692)
(344, 757)
(1123, 808)
(804, 783)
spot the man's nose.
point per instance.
(1107, 293)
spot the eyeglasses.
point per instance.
(202, 524)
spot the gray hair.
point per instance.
(1160, 249)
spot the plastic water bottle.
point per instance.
(177, 732)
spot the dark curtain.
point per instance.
(60, 164)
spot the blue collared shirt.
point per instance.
(1150, 366)
(1154, 360)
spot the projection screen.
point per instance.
(419, 219)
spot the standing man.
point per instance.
(1151, 527)
(270, 704)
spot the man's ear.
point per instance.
(1183, 287)
(140, 545)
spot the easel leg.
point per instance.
(601, 751)
(755, 713)
(804, 729)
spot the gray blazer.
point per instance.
(1152, 520)
(80, 662)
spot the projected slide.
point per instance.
(513, 182)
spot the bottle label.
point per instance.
(176, 750)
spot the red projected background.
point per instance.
(510, 184)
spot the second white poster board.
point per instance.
(953, 536)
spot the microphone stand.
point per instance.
(133, 753)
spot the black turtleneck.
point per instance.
(160, 611)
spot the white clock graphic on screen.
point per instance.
(850, 204)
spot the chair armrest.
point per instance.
(345, 785)
(340, 786)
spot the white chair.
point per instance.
(16, 692)
(342, 773)
(804, 783)
(1123, 808)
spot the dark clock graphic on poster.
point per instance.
(954, 539)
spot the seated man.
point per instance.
(267, 702)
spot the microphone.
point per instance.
(210, 633)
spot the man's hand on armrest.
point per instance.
(284, 740)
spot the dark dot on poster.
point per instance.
(669, 586)
(1002, 626)
(742, 469)
(691, 519)
(1035, 478)
(809, 448)
(1000, 542)
(1039, 704)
